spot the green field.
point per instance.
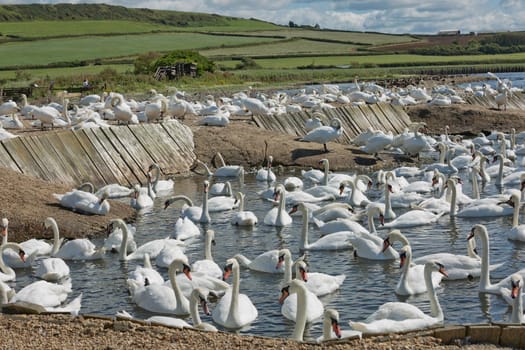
(42, 52)
(91, 38)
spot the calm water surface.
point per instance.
(368, 284)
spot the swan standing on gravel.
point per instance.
(395, 317)
(234, 310)
(325, 133)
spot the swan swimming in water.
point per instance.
(234, 310)
(332, 329)
(394, 317)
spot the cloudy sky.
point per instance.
(392, 16)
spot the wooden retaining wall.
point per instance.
(355, 119)
(516, 101)
(117, 154)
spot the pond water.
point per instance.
(368, 284)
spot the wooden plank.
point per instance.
(44, 162)
(5, 159)
(118, 150)
(146, 136)
(182, 142)
(350, 117)
(381, 118)
(104, 164)
(55, 155)
(22, 157)
(139, 159)
(99, 138)
(75, 154)
(110, 157)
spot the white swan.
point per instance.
(114, 190)
(145, 274)
(195, 213)
(152, 248)
(227, 170)
(208, 266)
(484, 208)
(411, 274)
(266, 174)
(517, 232)
(80, 249)
(278, 216)
(325, 133)
(161, 187)
(142, 197)
(114, 240)
(333, 241)
(84, 202)
(8, 274)
(369, 245)
(264, 262)
(185, 228)
(161, 298)
(44, 293)
(234, 310)
(243, 217)
(199, 296)
(394, 317)
(351, 225)
(485, 286)
(357, 198)
(332, 329)
(298, 287)
(317, 282)
(516, 294)
(412, 218)
(52, 269)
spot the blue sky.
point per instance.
(392, 16)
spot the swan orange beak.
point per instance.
(227, 272)
(515, 290)
(279, 262)
(381, 219)
(402, 259)
(285, 292)
(386, 244)
(341, 189)
(186, 270)
(336, 328)
(442, 270)
(4, 231)
(304, 275)
(205, 308)
(293, 210)
(22, 255)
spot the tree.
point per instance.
(186, 56)
(291, 24)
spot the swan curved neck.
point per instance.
(124, 244)
(453, 199)
(207, 248)
(484, 281)
(516, 212)
(182, 302)
(435, 307)
(56, 239)
(300, 321)
(287, 268)
(194, 310)
(281, 210)
(371, 225)
(304, 230)
(475, 186)
(517, 308)
(234, 304)
(205, 215)
(388, 203)
(326, 170)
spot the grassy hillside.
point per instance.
(69, 42)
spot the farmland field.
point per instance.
(90, 48)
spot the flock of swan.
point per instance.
(299, 248)
(361, 220)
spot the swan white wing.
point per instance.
(265, 262)
(333, 241)
(413, 218)
(43, 293)
(367, 246)
(207, 267)
(322, 283)
(244, 218)
(155, 298)
(52, 269)
(140, 274)
(391, 326)
(169, 321)
(247, 311)
(185, 228)
(214, 285)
